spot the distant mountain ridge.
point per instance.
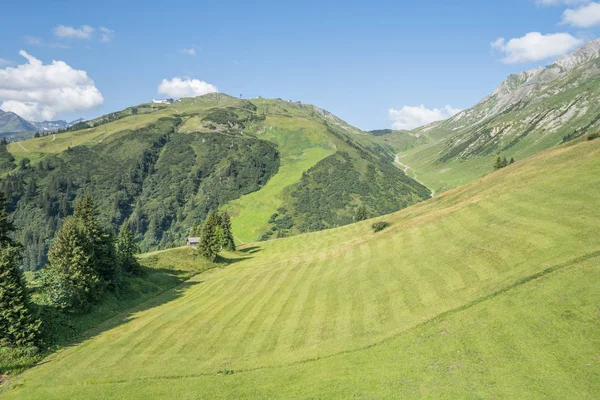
(528, 112)
(11, 123)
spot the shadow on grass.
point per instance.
(144, 290)
(251, 249)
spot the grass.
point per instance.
(302, 143)
(489, 290)
(160, 271)
(251, 212)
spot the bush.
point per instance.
(379, 226)
(593, 136)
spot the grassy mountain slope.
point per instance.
(162, 168)
(488, 290)
(529, 112)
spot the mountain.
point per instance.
(488, 291)
(11, 123)
(55, 125)
(527, 113)
(280, 168)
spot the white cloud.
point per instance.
(106, 35)
(35, 41)
(178, 87)
(190, 52)
(411, 117)
(37, 92)
(535, 47)
(4, 62)
(560, 2)
(83, 32)
(583, 17)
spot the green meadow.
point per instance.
(490, 290)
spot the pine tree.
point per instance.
(102, 242)
(361, 213)
(498, 165)
(6, 226)
(126, 249)
(504, 162)
(210, 243)
(227, 242)
(512, 160)
(71, 281)
(18, 327)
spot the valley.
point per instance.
(451, 298)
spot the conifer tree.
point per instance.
(210, 243)
(71, 281)
(361, 213)
(512, 160)
(498, 165)
(227, 242)
(504, 162)
(101, 242)
(126, 249)
(18, 327)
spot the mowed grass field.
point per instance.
(489, 290)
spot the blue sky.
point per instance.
(355, 59)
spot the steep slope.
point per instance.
(11, 123)
(161, 169)
(529, 112)
(488, 290)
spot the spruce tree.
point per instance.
(71, 280)
(512, 160)
(126, 249)
(361, 213)
(228, 242)
(18, 327)
(504, 162)
(498, 165)
(101, 242)
(210, 243)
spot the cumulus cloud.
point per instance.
(106, 35)
(189, 52)
(411, 117)
(583, 17)
(83, 32)
(178, 87)
(535, 47)
(39, 92)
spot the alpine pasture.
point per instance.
(488, 290)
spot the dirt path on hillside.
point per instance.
(23, 147)
(406, 168)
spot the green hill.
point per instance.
(280, 168)
(527, 113)
(489, 290)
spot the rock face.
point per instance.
(531, 110)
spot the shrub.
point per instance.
(593, 136)
(379, 226)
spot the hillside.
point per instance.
(527, 113)
(280, 168)
(489, 290)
